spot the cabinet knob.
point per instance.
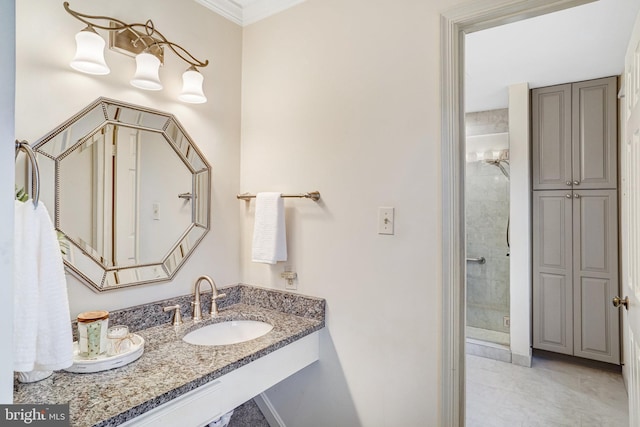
(576, 195)
(568, 196)
(617, 302)
(576, 182)
(568, 183)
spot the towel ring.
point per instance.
(35, 172)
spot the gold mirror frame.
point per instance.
(76, 133)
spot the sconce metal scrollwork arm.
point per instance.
(151, 34)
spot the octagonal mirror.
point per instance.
(130, 190)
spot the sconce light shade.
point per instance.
(147, 75)
(192, 87)
(143, 41)
(90, 53)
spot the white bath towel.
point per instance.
(269, 234)
(42, 328)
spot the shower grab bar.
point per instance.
(479, 260)
(35, 172)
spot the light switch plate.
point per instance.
(385, 220)
(156, 210)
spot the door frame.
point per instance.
(7, 192)
(454, 24)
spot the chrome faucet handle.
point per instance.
(214, 304)
(177, 316)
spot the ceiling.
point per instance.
(580, 43)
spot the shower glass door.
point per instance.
(487, 228)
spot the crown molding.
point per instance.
(245, 12)
(227, 8)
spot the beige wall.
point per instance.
(343, 97)
(48, 92)
(338, 96)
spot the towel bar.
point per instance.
(35, 173)
(313, 195)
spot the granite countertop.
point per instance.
(170, 367)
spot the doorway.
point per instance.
(454, 25)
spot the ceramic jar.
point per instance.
(92, 333)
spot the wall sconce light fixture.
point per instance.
(143, 42)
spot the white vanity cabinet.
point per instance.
(209, 402)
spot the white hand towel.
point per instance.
(269, 234)
(42, 328)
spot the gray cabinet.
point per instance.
(551, 137)
(574, 134)
(553, 271)
(575, 267)
(595, 275)
(575, 219)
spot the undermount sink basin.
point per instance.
(225, 333)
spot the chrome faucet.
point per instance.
(197, 310)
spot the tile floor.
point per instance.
(248, 415)
(552, 393)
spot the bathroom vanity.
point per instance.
(176, 383)
(173, 383)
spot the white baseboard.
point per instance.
(488, 350)
(268, 410)
(521, 359)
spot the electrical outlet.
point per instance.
(506, 322)
(290, 277)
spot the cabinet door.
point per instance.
(551, 137)
(594, 134)
(552, 271)
(595, 275)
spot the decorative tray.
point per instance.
(104, 362)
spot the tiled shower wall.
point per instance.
(486, 122)
(487, 213)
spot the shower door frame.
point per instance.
(454, 24)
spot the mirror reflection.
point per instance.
(131, 193)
